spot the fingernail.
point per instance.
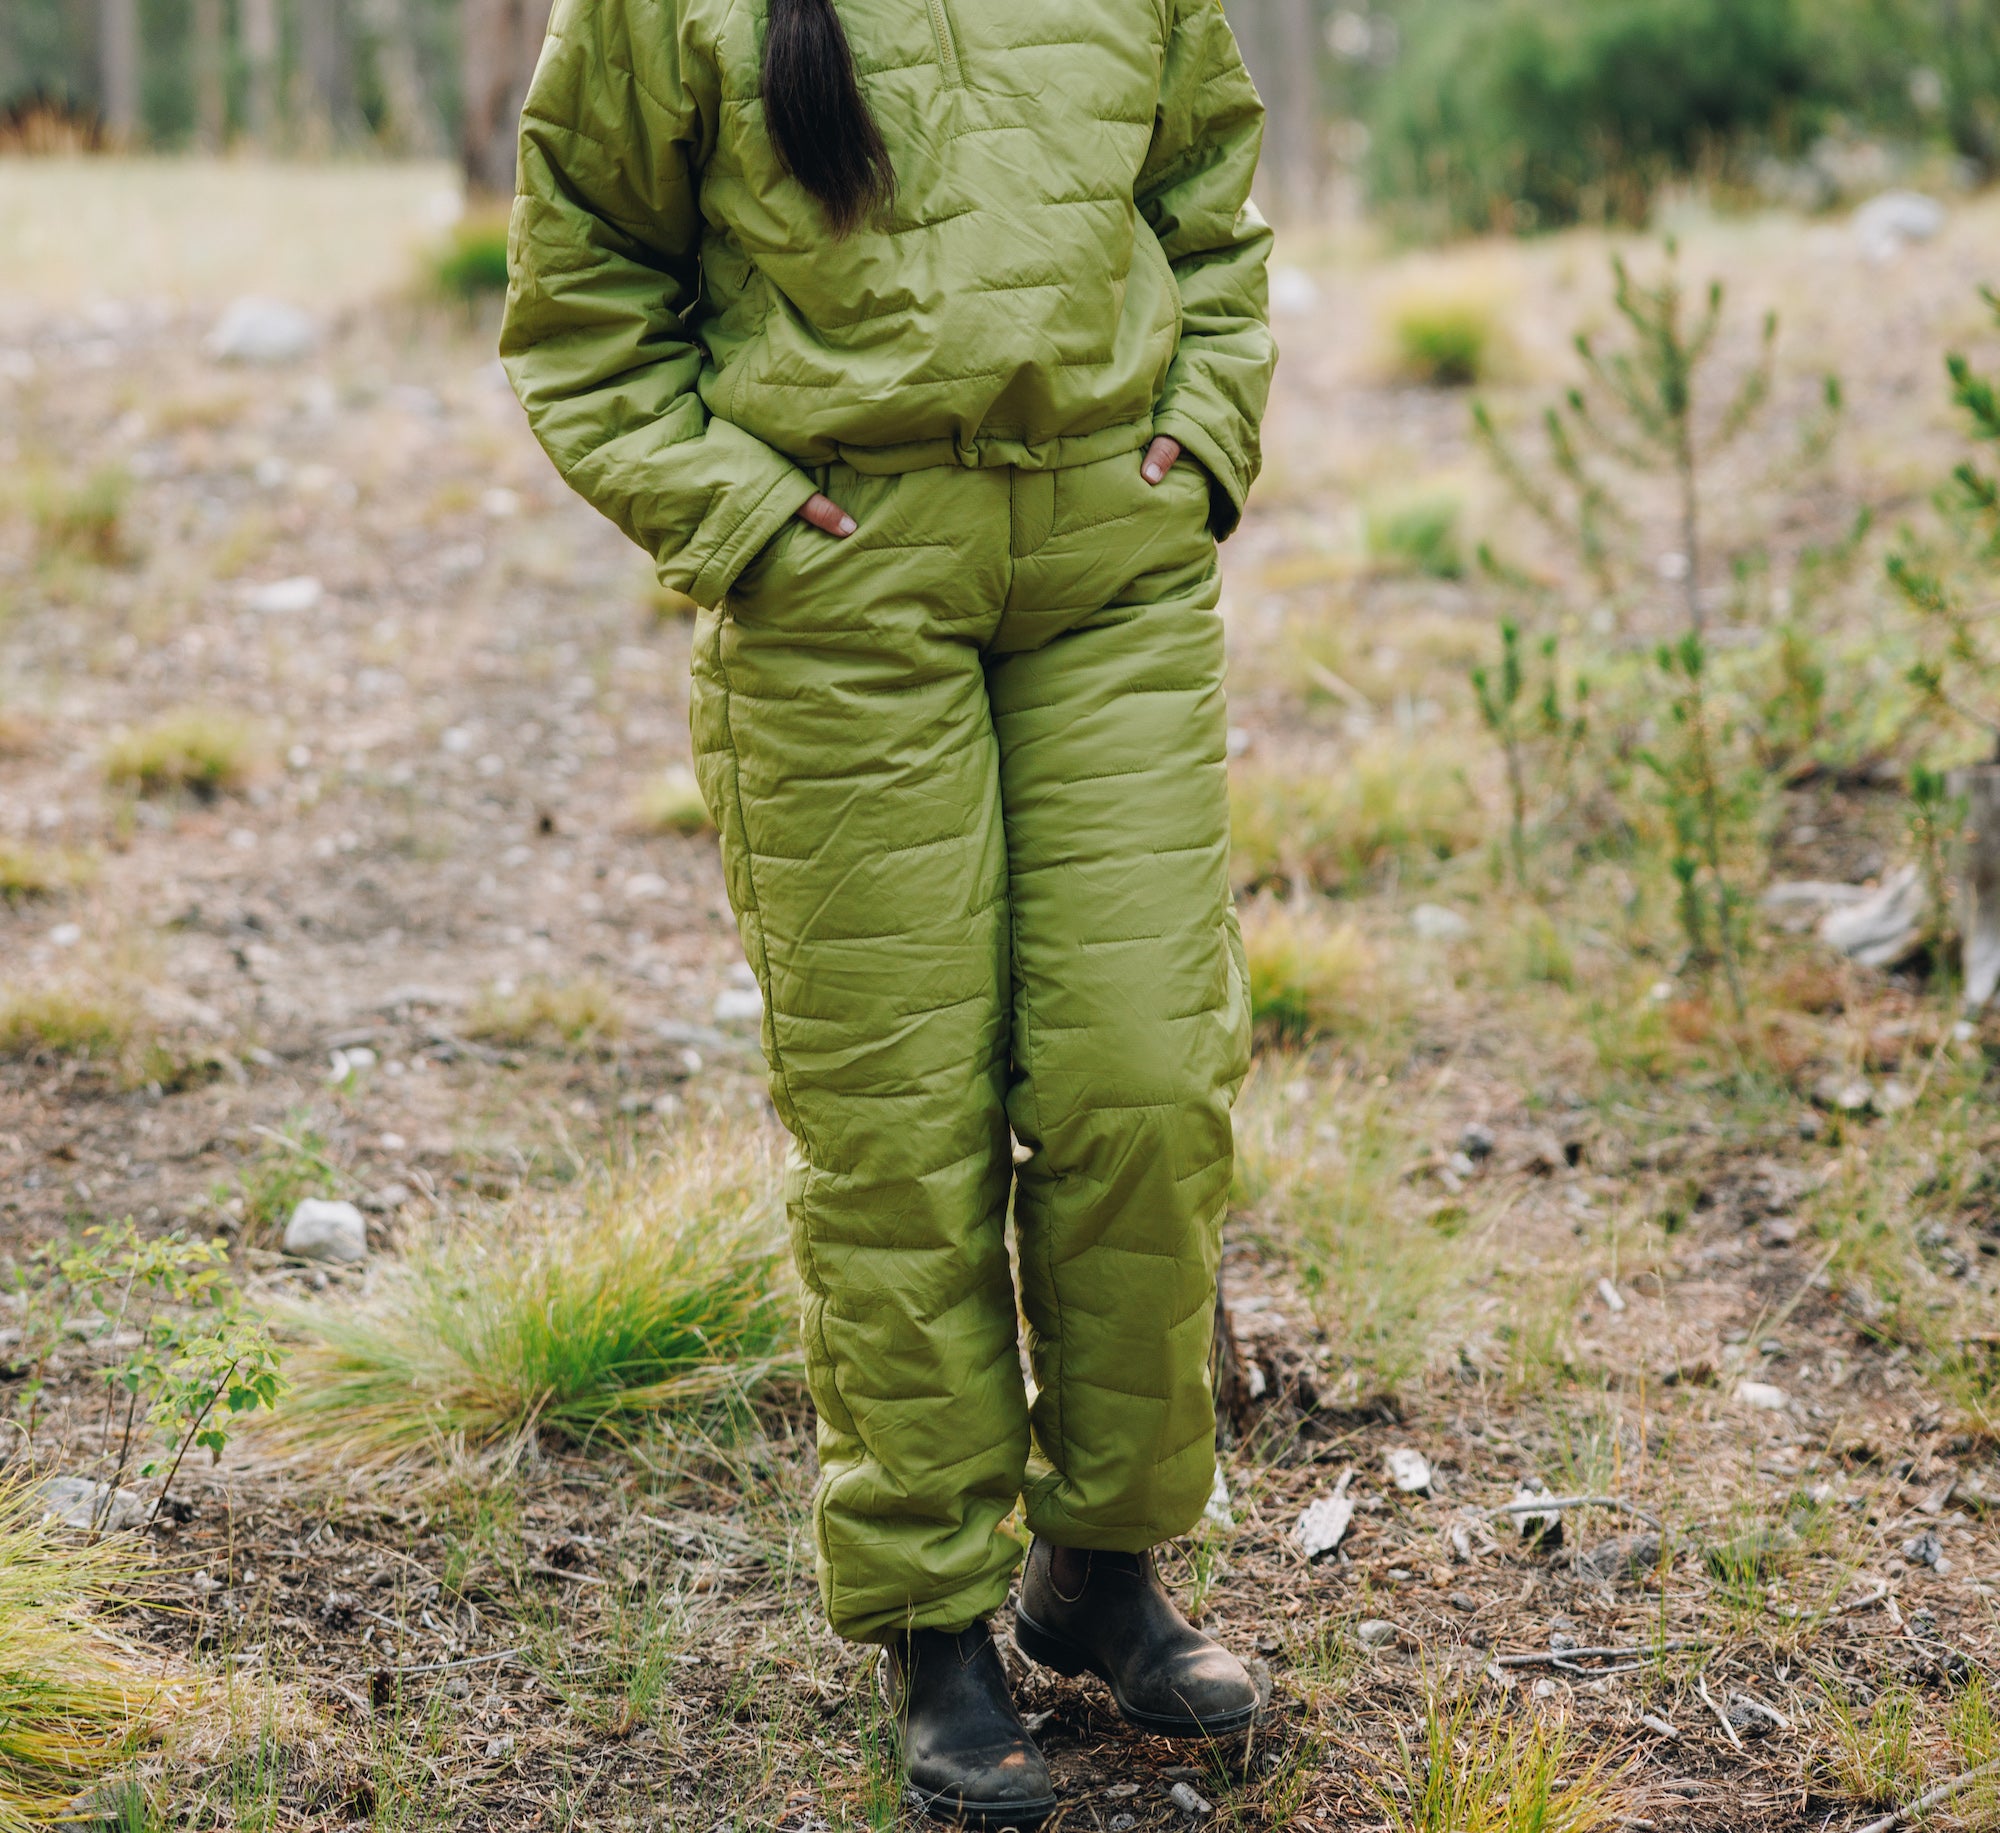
(848, 525)
(1152, 474)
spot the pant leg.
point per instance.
(845, 744)
(1131, 1030)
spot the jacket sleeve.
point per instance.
(603, 254)
(1194, 192)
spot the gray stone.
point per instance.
(322, 1229)
(253, 330)
(1375, 1632)
(1886, 225)
(81, 1502)
(1435, 923)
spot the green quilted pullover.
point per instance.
(1071, 263)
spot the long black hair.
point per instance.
(819, 122)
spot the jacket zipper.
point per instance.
(947, 50)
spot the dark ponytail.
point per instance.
(819, 123)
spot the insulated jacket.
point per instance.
(1071, 263)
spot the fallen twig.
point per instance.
(1721, 1717)
(1924, 1803)
(1654, 1722)
(1545, 1657)
(1547, 1505)
(1877, 1596)
(541, 1569)
(464, 1661)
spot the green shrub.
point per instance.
(1418, 535)
(1443, 342)
(472, 265)
(1524, 114)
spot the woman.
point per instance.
(924, 344)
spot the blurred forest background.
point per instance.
(1448, 115)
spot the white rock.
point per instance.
(500, 503)
(1293, 290)
(1614, 1300)
(1883, 928)
(1886, 225)
(1409, 1470)
(1326, 1520)
(1188, 1801)
(738, 1006)
(253, 330)
(1217, 1512)
(1376, 1632)
(643, 885)
(326, 1230)
(1434, 923)
(78, 1502)
(1763, 1396)
(284, 597)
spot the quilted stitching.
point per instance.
(1033, 790)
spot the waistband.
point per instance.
(987, 453)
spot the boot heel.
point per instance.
(1050, 1651)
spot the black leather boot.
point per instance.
(968, 1757)
(1108, 1614)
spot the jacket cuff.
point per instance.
(775, 505)
(1229, 478)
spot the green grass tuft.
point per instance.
(658, 1291)
(1418, 535)
(1480, 1775)
(672, 804)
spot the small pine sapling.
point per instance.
(1708, 805)
(1537, 733)
(1937, 820)
(1957, 677)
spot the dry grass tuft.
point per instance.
(1480, 1775)
(656, 1290)
(1395, 802)
(75, 1704)
(71, 1021)
(201, 751)
(567, 1014)
(1308, 976)
(33, 871)
(82, 521)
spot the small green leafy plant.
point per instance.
(186, 1357)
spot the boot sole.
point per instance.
(1066, 1658)
(956, 1811)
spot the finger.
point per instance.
(822, 512)
(1159, 460)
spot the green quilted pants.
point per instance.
(968, 765)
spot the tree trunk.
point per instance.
(211, 94)
(1298, 114)
(1979, 882)
(326, 66)
(412, 125)
(118, 68)
(260, 54)
(500, 41)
